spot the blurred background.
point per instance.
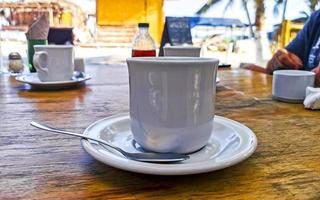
(234, 31)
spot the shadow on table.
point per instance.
(223, 182)
(58, 106)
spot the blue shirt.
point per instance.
(307, 43)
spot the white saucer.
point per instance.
(230, 143)
(34, 81)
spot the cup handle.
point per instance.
(40, 61)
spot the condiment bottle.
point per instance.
(143, 44)
(15, 63)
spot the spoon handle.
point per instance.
(48, 128)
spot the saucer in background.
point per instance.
(33, 80)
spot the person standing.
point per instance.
(3, 20)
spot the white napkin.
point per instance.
(312, 100)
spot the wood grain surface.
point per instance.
(35, 164)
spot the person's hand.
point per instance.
(283, 59)
(317, 71)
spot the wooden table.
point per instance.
(35, 164)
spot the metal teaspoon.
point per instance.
(142, 156)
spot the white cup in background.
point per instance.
(182, 51)
(54, 62)
(290, 85)
(79, 65)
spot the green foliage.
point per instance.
(211, 3)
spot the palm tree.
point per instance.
(211, 3)
(262, 47)
(276, 8)
(312, 4)
(259, 21)
(260, 11)
(312, 7)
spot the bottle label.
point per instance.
(143, 53)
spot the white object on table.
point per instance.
(162, 120)
(231, 143)
(54, 62)
(290, 85)
(182, 51)
(79, 65)
(312, 100)
(33, 80)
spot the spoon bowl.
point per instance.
(142, 157)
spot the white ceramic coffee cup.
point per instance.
(172, 102)
(54, 62)
(290, 85)
(182, 51)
